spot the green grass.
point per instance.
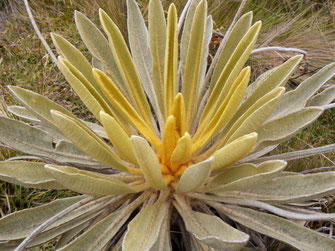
(24, 62)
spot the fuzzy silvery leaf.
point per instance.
(323, 98)
(174, 159)
(192, 71)
(98, 235)
(140, 50)
(87, 182)
(157, 36)
(126, 66)
(87, 141)
(291, 188)
(22, 113)
(279, 130)
(75, 57)
(231, 71)
(37, 105)
(185, 38)
(245, 176)
(28, 174)
(20, 224)
(213, 231)
(277, 77)
(148, 162)
(144, 230)
(98, 46)
(195, 176)
(90, 96)
(232, 41)
(281, 229)
(70, 234)
(297, 99)
(30, 140)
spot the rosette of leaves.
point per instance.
(177, 146)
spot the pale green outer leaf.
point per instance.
(126, 66)
(214, 232)
(20, 224)
(98, 45)
(234, 37)
(279, 228)
(323, 98)
(143, 231)
(71, 221)
(87, 141)
(62, 228)
(38, 105)
(97, 236)
(246, 176)
(163, 242)
(22, 113)
(277, 77)
(279, 130)
(157, 35)
(296, 100)
(149, 163)
(230, 72)
(75, 57)
(118, 137)
(85, 90)
(193, 66)
(204, 60)
(252, 122)
(291, 188)
(259, 80)
(185, 38)
(96, 63)
(171, 60)
(97, 129)
(234, 151)
(140, 50)
(195, 176)
(30, 140)
(70, 234)
(87, 182)
(28, 174)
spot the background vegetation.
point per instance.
(307, 25)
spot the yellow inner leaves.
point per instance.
(176, 148)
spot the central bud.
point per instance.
(175, 151)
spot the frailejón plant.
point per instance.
(180, 144)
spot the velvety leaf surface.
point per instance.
(20, 224)
(195, 176)
(214, 232)
(279, 228)
(28, 174)
(246, 176)
(98, 235)
(144, 229)
(148, 161)
(34, 141)
(87, 182)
